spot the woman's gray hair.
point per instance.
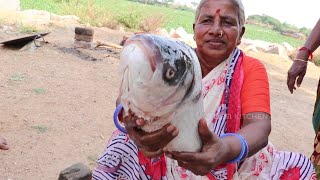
(237, 3)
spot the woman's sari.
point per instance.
(222, 104)
(315, 157)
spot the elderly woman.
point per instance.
(235, 138)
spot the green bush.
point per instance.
(130, 19)
(152, 23)
(316, 60)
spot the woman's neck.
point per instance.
(207, 64)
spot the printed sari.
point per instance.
(315, 157)
(222, 104)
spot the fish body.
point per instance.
(161, 82)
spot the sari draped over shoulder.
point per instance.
(222, 105)
(315, 157)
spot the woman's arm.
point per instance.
(298, 69)
(256, 129)
(312, 42)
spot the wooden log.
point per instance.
(109, 44)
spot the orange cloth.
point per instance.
(255, 93)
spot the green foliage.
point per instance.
(269, 21)
(40, 129)
(267, 34)
(27, 28)
(152, 23)
(130, 19)
(316, 61)
(17, 77)
(39, 90)
(305, 31)
(254, 18)
(107, 12)
(134, 15)
(264, 20)
(289, 27)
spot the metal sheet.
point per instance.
(23, 40)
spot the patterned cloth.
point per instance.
(123, 160)
(315, 157)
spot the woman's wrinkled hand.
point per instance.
(296, 74)
(214, 152)
(151, 144)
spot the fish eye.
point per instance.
(170, 74)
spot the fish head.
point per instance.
(157, 75)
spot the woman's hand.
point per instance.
(214, 152)
(151, 144)
(296, 74)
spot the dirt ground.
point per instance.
(56, 104)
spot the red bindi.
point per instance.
(218, 11)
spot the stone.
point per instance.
(84, 31)
(83, 38)
(11, 5)
(162, 32)
(277, 49)
(76, 172)
(173, 34)
(66, 18)
(259, 44)
(35, 17)
(251, 48)
(83, 44)
(182, 33)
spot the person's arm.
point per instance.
(255, 129)
(298, 69)
(255, 105)
(216, 151)
(312, 42)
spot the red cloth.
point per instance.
(255, 93)
(155, 169)
(291, 174)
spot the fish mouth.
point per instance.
(146, 44)
(134, 111)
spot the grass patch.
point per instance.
(262, 33)
(17, 77)
(39, 90)
(27, 28)
(316, 61)
(40, 129)
(132, 15)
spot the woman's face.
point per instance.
(216, 17)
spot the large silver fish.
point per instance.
(161, 82)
